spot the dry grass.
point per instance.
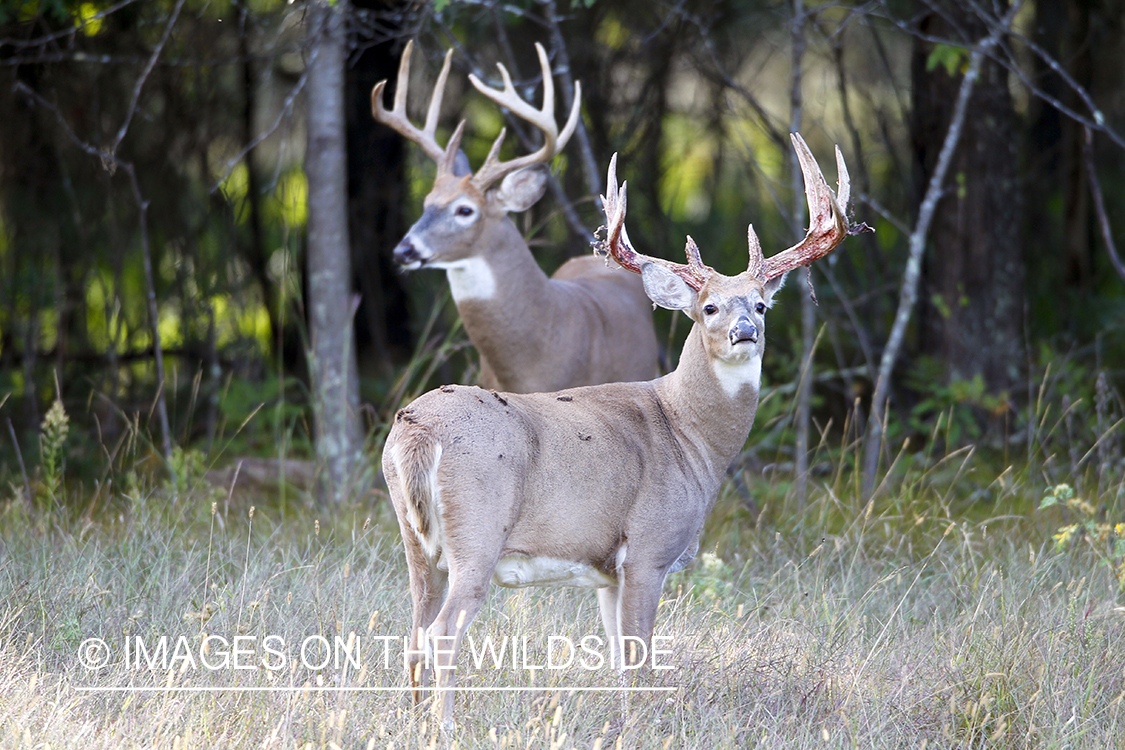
(900, 628)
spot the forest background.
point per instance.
(923, 541)
(154, 197)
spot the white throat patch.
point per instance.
(469, 279)
(732, 376)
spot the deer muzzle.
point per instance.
(743, 330)
(407, 254)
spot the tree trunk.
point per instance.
(376, 195)
(973, 283)
(333, 366)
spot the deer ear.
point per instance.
(666, 288)
(521, 189)
(771, 288)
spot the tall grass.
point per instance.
(946, 611)
(902, 627)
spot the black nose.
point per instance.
(405, 253)
(743, 330)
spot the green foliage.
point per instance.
(709, 578)
(1092, 530)
(955, 60)
(957, 403)
(187, 467)
(264, 415)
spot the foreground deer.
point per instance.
(602, 487)
(587, 324)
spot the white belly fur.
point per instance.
(516, 572)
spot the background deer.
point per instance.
(602, 487)
(587, 324)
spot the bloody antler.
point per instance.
(617, 239)
(828, 226)
(828, 223)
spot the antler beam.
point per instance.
(828, 223)
(617, 239)
(397, 119)
(543, 118)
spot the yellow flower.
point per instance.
(1066, 533)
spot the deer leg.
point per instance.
(467, 589)
(609, 602)
(640, 594)
(427, 587)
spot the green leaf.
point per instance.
(953, 59)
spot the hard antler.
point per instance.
(543, 118)
(828, 226)
(397, 119)
(618, 245)
(828, 223)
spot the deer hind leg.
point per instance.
(427, 589)
(467, 589)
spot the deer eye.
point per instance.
(710, 309)
(761, 308)
(464, 211)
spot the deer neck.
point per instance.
(713, 403)
(503, 298)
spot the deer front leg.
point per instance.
(609, 601)
(639, 591)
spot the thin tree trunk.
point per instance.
(330, 308)
(256, 250)
(873, 441)
(154, 320)
(377, 189)
(971, 310)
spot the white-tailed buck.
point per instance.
(587, 324)
(602, 487)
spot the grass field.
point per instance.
(896, 624)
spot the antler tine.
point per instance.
(434, 111)
(828, 224)
(542, 118)
(843, 184)
(397, 118)
(757, 266)
(617, 244)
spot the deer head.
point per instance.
(730, 310)
(462, 207)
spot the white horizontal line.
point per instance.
(295, 689)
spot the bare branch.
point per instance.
(129, 113)
(1099, 203)
(558, 47)
(40, 41)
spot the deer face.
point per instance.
(457, 215)
(730, 312)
